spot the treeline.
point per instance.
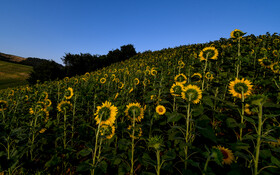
(75, 64)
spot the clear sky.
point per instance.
(50, 28)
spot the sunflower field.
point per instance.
(208, 108)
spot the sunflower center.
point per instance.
(208, 53)
(192, 94)
(225, 154)
(177, 89)
(266, 62)
(160, 110)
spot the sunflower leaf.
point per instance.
(275, 161)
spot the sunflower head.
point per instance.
(134, 109)
(196, 77)
(265, 62)
(64, 106)
(44, 95)
(160, 110)
(236, 33)
(107, 131)
(181, 64)
(209, 76)
(275, 53)
(192, 93)
(106, 114)
(68, 93)
(103, 80)
(237, 87)
(137, 131)
(275, 67)
(3, 105)
(208, 53)
(48, 102)
(180, 78)
(228, 156)
(153, 72)
(176, 89)
(136, 81)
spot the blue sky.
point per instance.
(50, 28)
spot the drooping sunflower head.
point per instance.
(181, 64)
(160, 109)
(208, 53)
(103, 80)
(107, 131)
(136, 81)
(236, 33)
(3, 105)
(106, 113)
(176, 89)
(228, 156)
(153, 72)
(265, 62)
(275, 53)
(44, 95)
(120, 85)
(137, 131)
(196, 77)
(209, 76)
(64, 106)
(237, 87)
(48, 102)
(134, 109)
(180, 78)
(69, 93)
(275, 67)
(192, 93)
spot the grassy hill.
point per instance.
(11, 58)
(12, 74)
(209, 108)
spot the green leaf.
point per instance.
(169, 155)
(147, 159)
(85, 152)
(84, 166)
(208, 133)
(207, 100)
(249, 119)
(103, 166)
(198, 110)
(275, 161)
(174, 117)
(231, 123)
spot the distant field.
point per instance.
(12, 74)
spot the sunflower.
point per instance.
(121, 85)
(276, 41)
(196, 77)
(228, 156)
(103, 80)
(238, 86)
(275, 53)
(116, 96)
(209, 76)
(236, 33)
(108, 112)
(69, 93)
(208, 53)
(107, 131)
(44, 95)
(192, 93)
(247, 109)
(180, 78)
(64, 106)
(66, 79)
(160, 109)
(48, 102)
(130, 90)
(153, 72)
(176, 89)
(136, 81)
(134, 108)
(31, 111)
(138, 132)
(42, 130)
(181, 64)
(265, 62)
(3, 105)
(275, 67)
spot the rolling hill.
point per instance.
(12, 74)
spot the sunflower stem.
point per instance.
(132, 144)
(203, 80)
(187, 130)
(96, 142)
(242, 114)
(206, 165)
(158, 162)
(258, 140)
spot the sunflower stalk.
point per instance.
(205, 68)
(242, 113)
(132, 144)
(238, 68)
(259, 132)
(96, 144)
(188, 129)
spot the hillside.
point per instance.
(12, 74)
(209, 108)
(11, 58)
